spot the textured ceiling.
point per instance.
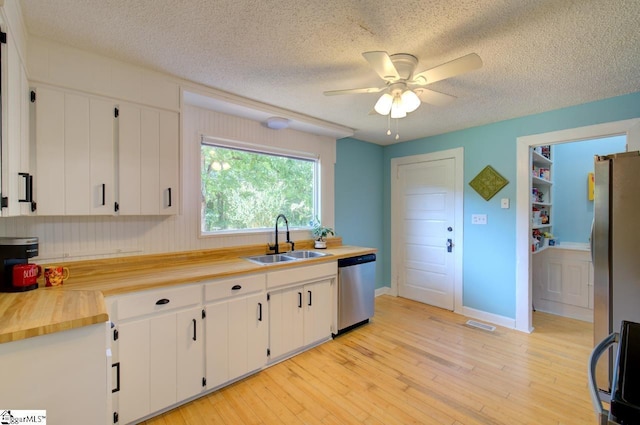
(538, 55)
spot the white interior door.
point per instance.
(425, 225)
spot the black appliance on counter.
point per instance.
(14, 251)
(625, 387)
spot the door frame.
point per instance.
(524, 296)
(457, 155)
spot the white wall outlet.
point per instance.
(478, 219)
(504, 203)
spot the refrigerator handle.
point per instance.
(603, 415)
(593, 223)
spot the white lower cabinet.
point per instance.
(169, 345)
(64, 373)
(159, 354)
(190, 353)
(299, 316)
(300, 308)
(562, 281)
(134, 347)
(236, 328)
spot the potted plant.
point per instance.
(320, 234)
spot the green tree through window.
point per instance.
(244, 189)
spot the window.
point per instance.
(244, 188)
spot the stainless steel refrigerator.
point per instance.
(615, 250)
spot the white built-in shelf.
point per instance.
(542, 182)
(539, 159)
(541, 204)
(540, 163)
(541, 249)
(540, 226)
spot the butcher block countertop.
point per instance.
(40, 312)
(80, 301)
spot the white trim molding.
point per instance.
(496, 319)
(630, 128)
(385, 290)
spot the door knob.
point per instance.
(449, 245)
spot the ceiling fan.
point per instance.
(404, 90)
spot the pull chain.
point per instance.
(397, 134)
(389, 124)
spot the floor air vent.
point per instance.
(479, 325)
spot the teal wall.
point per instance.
(489, 250)
(358, 198)
(572, 162)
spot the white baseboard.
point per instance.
(469, 312)
(385, 290)
(494, 319)
(565, 310)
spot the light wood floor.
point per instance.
(416, 364)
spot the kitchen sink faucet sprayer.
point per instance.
(276, 247)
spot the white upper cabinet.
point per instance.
(74, 153)
(102, 186)
(95, 157)
(129, 166)
(148, 144)
(50, 140)
(169, 162)
(16, 176)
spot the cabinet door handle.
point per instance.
(309, 298)
(28, 187)
(117, 388)
(236, 287)
(103, 194)
(162, 301)
(299, 299)
(169, 189)
(259, 312)
(195, 332)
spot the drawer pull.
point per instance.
(236, 287)
(162, 301)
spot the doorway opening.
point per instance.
(628, 128)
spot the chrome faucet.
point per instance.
(276, 247)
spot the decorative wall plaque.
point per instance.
(488, 182)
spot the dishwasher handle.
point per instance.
(353, 261)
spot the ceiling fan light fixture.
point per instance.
(397, 108)
(383, 105)
(410, 101)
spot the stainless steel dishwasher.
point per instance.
(356, 291)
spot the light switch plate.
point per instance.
(504, 203)
(478, 219)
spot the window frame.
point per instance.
(265, 150)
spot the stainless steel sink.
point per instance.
(288, 256)
(306, 254)
(270, 259)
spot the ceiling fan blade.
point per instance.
(381, 63)
(354, 91)
(433, 97)
(450, 69)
